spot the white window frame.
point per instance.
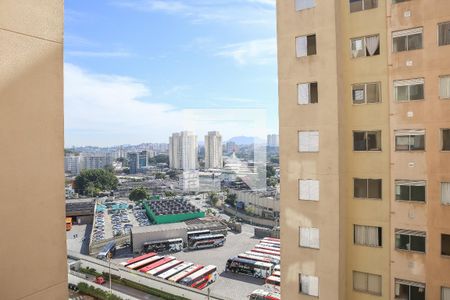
(309, 237)
(408, 83)
(406, 33)
(407, 283)
(364, 45)
(410, 233)
(445, 191)
(309, 285)
(307, 85)
(299, 52)
(410, 133)
(308, 190)
(410, 183)
(444, 87)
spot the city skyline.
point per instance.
(154, 88)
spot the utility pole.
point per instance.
(109, 259)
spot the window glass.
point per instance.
(358, 47)
(356, 5)
(417, 142)
(444, 34)
(402, 241)
(358, 93)
(445, 244)
(415, 41)
(401, 93)
(402, 143)
(402, 192)
(369, 4)
(304, 4)
(416, 92)
(446, 139)
(360, 188)
(445, 193)
(400, 43)
(311, 44)
(359, 141)
(373, 93)
(417, 243)
(300, 45)
(444, 87)
(373, 140)
(314, 92)
(374, 186)
(417, 193)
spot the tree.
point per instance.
(172, 174)
(109, 168)
(160, 175)
(270, 171)
(213, 198)
(92, 182)
(169, 193)
(231, 200)
(139, 194)
(158, 159)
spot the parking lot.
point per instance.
(117, 217)
(229, 285)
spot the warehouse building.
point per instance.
(140, 235)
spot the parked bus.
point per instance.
(249, 267)
(277, 268)
(274, 258)
(270, 242)
(164, 267)
(160, 262)
(276, 273)
(182, 274)
(270, 245)
(265, 247)
(108, 249)
(191, 234)
(172, 245)
(266, 251)
(176, 270)
(145, 262)
(201, 278)
(264, 295)
(68, 224)
(206, 241)
(271, 239)
(273, 283)
(256, 258)
(138, 258)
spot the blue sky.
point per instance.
(137, 70)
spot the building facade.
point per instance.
(363, 141)
(32, 216)
(183, 151)
(138, 161)
(213, 150)
(72, 164)
(272, 140)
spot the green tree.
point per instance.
(160, 158)
(231, 200)
(270, 171)
(91, 182)
(160, 175)
(172, 174)
(138, 194)
(109, 168)
(213, 198)
(169, 193)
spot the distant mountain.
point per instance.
(245, 140)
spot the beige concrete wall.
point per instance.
(431, 165)
(324, 165)
(32, 170)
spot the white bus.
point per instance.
(273, 283)
(249, 267)
(270, 245)
(201, 278)
(164, 267)
(277, 268)
(191, 234)
(274, 258)
(206, 241)
(176, 270)
(256, 258)
(259, 246)
(264, 295)
(171, 245)
(142, 263)
(108, 249)
(182, 274)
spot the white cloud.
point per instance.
(109, 110)
(258, 52)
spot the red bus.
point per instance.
(139, 258)
(185, 273)
(164, 267)
(273, 282)
(142, 263)
(256, 258)
(259, 246)
(274, 258)
(156, 264)
(265, 250)
(276, 244)
(276, 273)
(201, 278)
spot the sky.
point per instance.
(138, 70)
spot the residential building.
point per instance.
(363, 138)
(213, 150)
(91, 161)
(183, 151)
(272, 140)
(72, 164)
(138, 161)
(231, 147)
(189, 181)
(262, 204)
(32, 217)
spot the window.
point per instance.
(406, 40)
(409, 90)
(307, 93)
(309, 237)
(409, 140)
(304, 4)
(408, 190)
(308, 190)
(359, 5)
(367, 283)
(367, 140)
(309, 285)
(367, 235)
(398, 1)
(367, 188)
(444, 33)
(409, 290)
(308, 141)
(305, 45)
(366, 46)
(444, 87)
(445, 193)
(445, 293)
(445, 139)
(410, 240)
(366, 93)
(445, 244)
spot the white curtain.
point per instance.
(360, 235)
(303, 187)
(303, 93)
(304, 237)
(445, 193)
(372, 236)
(372, 43)
(360, 281)
(374, 284)
(444, 87)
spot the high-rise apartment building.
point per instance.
(137, 161)
(272, 140)
(364, 107)
(213, 150)
(183, 151)
(72, 164)
(32, 229)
